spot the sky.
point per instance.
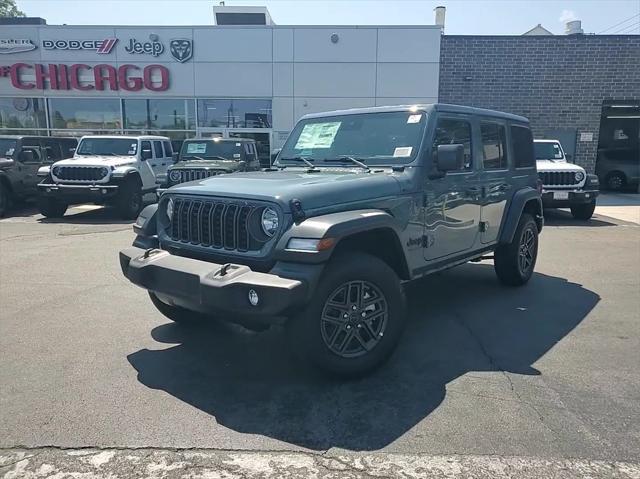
(471, 17)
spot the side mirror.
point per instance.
(450, 157)
(146, 155)
(27, 156)
(568, 157)
(176, 157)
(6, 162)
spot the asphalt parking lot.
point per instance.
(549, 371)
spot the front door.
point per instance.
(147, 173)
(27, 169)
(452, 212)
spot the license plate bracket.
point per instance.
(560, 195)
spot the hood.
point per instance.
(548, 165)
(97, 160)
(227, 165)
(314, 190)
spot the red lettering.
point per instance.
(16, 81)
(75, 77)
(5, 71)
(42, 74)
(164, 78)
(63, 73)
(127, 83)
(112, 77)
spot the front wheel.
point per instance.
(355, 318)
(129, 200)
(583, 211)
(514, 262)
(52, 208)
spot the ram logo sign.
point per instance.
(181, 49)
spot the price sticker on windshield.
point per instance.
(414, 118)
(402, 152)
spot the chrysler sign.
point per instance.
(26, 76)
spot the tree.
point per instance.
(8, 8)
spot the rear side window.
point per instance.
(157, 146)
(52, 150)
(452, 132)
(494, 146)
(168, 151)
(522, 146)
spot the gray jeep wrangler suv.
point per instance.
(358, 202)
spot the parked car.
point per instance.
(20, 158)
(565, 185)
(112, 170)
(202, 158)
(618, 168)
(358, 202)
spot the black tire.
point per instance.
(52, 208)
(317, 339)
(129, 200)
(583, 211)
(5, 200)
(176, 313)
(511, 266)
(615, 181)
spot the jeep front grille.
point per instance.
(558, 178)
(81, 173)
(210, 223)
(193, 175)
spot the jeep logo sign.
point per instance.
(152, 47)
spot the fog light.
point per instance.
(104, 191)
(48, 190)
(253, 297)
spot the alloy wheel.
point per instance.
(354, 319)
(526, 251)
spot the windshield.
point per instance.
(7, 147)
(548, 151)
(207, 149)
(378, 138)
(108, 146)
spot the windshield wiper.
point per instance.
(353, 160)
(302, 159)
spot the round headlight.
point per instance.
(56, 170)
(269, 221)
(170, 208)
(579, 176)
(174, 175)
(104, 171)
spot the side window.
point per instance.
(32, 144)
(494, 146)
(52, 150)
(522, 146)
(452, 132)
(68, 147)
(168, 151)
(157, 146)
(145, 145)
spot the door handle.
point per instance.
(474, 190)
(504, 187)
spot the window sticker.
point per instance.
(318, 135)
(414, 118)
(236, 155)
(196, 148)
(556, 152)
(403, 151)
(237, 144)
(10, 151)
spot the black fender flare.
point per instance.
(518, 203)
(6, 182)
(336, 226)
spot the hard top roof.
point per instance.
(545, 140)
(428, 108)
(219, 140)
(17, 137)
(129, 137)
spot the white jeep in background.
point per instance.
(564, 185)
(111, 170)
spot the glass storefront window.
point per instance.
(170, 114)
(242, 113)
(22, 113)
(85, 113)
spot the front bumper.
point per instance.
(77, 193)
(574, 197)
(199, 285)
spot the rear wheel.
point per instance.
(583, 211)
(355, 319)
(129, 200)
(514, 262)
(5, 199)
(615, 181)
(52, 208)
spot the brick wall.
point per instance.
(556, 81)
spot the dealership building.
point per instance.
(244, 76)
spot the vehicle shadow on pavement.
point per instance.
(460, 321)
(557, 217)
(97, 216)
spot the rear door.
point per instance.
(494, 178)
(147, 172)
(453, 201)
(28, 170)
